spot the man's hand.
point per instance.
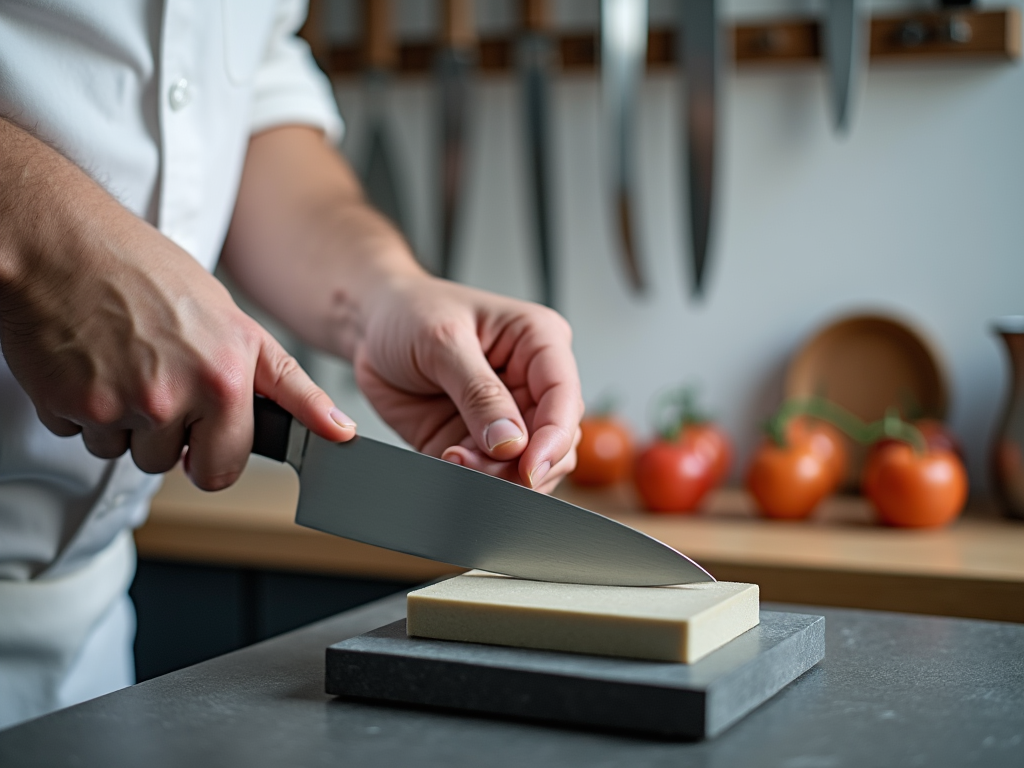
(477, 378)
(482, 380)
(117, 333)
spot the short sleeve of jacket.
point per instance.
(289, 87)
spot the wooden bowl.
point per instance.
(867, 364)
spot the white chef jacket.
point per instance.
(156, 100)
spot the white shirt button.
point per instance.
(180, 94)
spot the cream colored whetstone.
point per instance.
(679, 623)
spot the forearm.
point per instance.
(305, 245)
(58, 228)
(33, 180)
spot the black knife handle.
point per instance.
(272, 424)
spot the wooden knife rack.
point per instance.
(948, 35)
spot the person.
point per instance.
(139, 141)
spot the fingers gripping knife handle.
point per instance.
(276, 434)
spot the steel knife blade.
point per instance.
(702, 64)
(402, 500)
(535, 53)
(454, 70)
(844, 43)
(379, 173)
(623, 59)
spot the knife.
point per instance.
(844, 43)
(623, 59)
(380, 58)
(702, 63)
(398, 499)
(535, 52)
(455, 63)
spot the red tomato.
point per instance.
(825, 441)
(714, 444)
(672, 476)
(605, 453)
(788, 482)
(914, 490)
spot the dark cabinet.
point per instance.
(189, 613)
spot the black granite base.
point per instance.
(685, 701)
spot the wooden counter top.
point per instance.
(974, 568)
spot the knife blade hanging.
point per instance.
(701, 57)
(844, 41)
(455, 63)
(623, 60)
(535, 54)
(380, 56)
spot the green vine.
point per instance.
(606, 405)
(890, 426)
(677, 409)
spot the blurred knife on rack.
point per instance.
(535, 54)
(380, 57)
(844, 42)
(623, 60)
(455, 63)
(701, 58)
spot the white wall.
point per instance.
(920, 212)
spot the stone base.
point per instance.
(685, 701)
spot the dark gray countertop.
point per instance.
(894, 690)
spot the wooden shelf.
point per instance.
(939, 35)
(973, 569)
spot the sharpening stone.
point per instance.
(670, 700)
(678, 623)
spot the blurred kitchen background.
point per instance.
(917, 212)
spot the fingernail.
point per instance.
(453, 458)
(538, 474)
(341, 419)
(500, 432)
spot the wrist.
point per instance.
(46, 203)
(381, 290)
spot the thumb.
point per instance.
(483, 400)
(280, 377)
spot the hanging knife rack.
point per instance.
(947, 35)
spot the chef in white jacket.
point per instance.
(140, 141)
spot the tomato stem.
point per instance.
(890, 426)
(675, 410)
(607, 405)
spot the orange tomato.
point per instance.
(672, 476)
(714, 444)
(788, 482)
(604, 455)
(912, 490)
(825, 441)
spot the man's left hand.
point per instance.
(478, 379)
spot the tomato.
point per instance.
(825, 441)
(605, 453)
(788, 482)
(915, 490)
(673, 476)
(714, 444)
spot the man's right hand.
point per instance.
(116, 332)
